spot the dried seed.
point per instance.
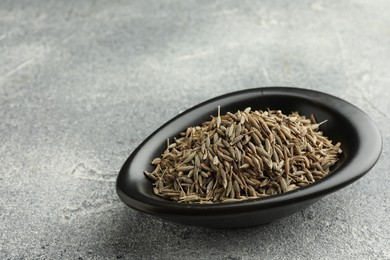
(219, 117)
(189, 198)
(242, 119)
(252, 147)
(189, 158)
(156, 161)
(224, 179)
(229, 187)
(225, 157)
(151, 175)
(247, 110)
(200, 180)
(244, 166)
(256, 162)
(256, 139)
(207, 141)
(215, 160)
(220, 132)
(236, 178)
(186, 180)
(238, 154)
(267, 146)
(197, 161)
(185, 168)
(252, 191)
(253, 123)
(237, 139)
(232, 152)
(292, 187)
(283, 185)
(204, 174)
(210, 187)
(287, 166)
(225, 143)
(286, 131)
(248, 160)
(231, 130)
(275, 156)
(238, 129)
(262, 152)
(236, 188)
(232, 116)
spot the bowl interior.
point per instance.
(337, 128)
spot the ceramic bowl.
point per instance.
(359, 136)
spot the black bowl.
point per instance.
(359, 136)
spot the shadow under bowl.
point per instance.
(360, 141)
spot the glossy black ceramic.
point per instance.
(361, 145)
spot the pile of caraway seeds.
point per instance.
(243, 155)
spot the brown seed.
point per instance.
(256, 162)
(151, 175)
(258, 133)
(253, 122)
(224, 179)
(247, 159)
(197, 161)
(255, 138)
(225, 143)
(184, 168)
(238, 130)
(220, 132)
(225, 157)
(262, 152)
(232, 152)
(156, 161)
(236, 139)
(252, 147)
(267, 146)
(236, 188)
(231, 130)
(229, 187)
(189, 158)
(232, 116)
(204, 174)
(200, 180)
(292, 187)
(242, 119)
(238, 154)
(283, 185)
(189, 198)
(287, 166)
(215, 160)
(219, 117)
(286, 131)
(245, 166)
(275, 156)
(186, 180)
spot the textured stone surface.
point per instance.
(82, 83)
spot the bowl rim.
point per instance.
(370, 147)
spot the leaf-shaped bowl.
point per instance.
(360, 141)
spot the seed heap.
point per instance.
(245, 155)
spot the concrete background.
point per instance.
(82, 83)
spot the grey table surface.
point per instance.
(82, 83)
